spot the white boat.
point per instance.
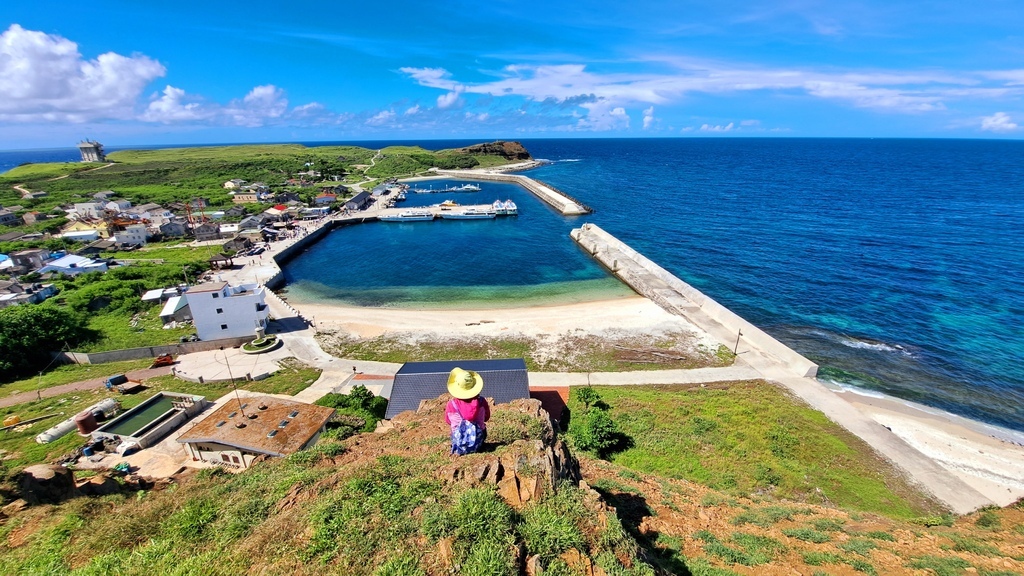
(407, 216)
(469, 188)
(469, 214)
(506, 208)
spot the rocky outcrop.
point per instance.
(507, 150)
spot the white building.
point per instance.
(135, 234)
(117, 205)
(223, 311)
(72, 265)
(89, 209)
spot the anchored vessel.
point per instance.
(407, 216)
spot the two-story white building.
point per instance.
(135, 234)
(220, 310)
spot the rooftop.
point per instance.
(208, 287)
(280, 427)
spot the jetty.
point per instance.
(560, 201)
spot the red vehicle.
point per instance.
(162, 360)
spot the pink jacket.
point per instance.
(475, 410)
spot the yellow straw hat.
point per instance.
(464, 384)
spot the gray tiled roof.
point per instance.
(504, 380)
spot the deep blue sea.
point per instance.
(895, 264)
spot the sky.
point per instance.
(155, 72)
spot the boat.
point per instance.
(407, 216)
(469, 188)
(469, 214)
(506, 208)
(447, 204)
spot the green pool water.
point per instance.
(134, 422)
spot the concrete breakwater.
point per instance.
(678, 297)
(565, 204)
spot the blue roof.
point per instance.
(504, 380)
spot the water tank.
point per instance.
(86, 423)
(56, 432)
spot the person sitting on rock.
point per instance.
(467, 412)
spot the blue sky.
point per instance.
(195, 72)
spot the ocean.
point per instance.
(894, 264)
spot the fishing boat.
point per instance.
(447, 204)
(469, 214)
(469, 188)
(407, 216)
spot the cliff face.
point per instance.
(507, 150)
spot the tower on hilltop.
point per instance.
(92, 151)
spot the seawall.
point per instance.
(150, 351)
(565, 204)
(678, 297)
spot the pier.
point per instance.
(565, 204)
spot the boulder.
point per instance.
(101, 485)
(47, 484)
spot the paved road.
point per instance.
(91, 384)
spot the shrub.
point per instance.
(548, 530)
(861, 546)
(942, 566)
(807, 535)
(815, 558)
(595, 432)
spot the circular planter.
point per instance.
(262, 345)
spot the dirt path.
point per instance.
(91, 384)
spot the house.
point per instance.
(244, 197)
(227, 230)
(175, 310)
(87, 210)
(325, 198)
(13, 293)
(172, 229)
(148, 211)
(88, 225)
(33, 217)
(34, 195)
(286, 197)
(237, 244)
(259, 187)
(30, 259)
(81, 236)
(252, 222)
(8, 218)
(315, 212)
(235, 211)
(504, 380)
(11, 236)
(278, 213)
(104, 195)
(96, 247)
(117, 205)
(235, 183)
(207, 231)
(133, 234)
(243, 429)
(223, 311)
(359, 201)
(199, 203)
(73, 265)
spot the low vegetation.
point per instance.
(562, 353)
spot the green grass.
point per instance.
(941, 565)
(859, 546)
(719, 436)
(121, 331)
(68, 373)
(966, 544)
(807, 535)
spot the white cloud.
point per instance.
(999, 122)
(718, 128)
(602, 116)
(747, 123)
(173, 106)
(648, 117)
(447, 100)
(44, 77)
(413, 110)
(481, 117)
(380, 118)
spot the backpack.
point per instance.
(466, 438)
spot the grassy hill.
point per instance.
(396, 503)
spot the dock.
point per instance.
(565, 204)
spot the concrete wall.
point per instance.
(151, 351)
(671, 293)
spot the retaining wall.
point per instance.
(151, 351)
(671, 293)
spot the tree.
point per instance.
(30, 332)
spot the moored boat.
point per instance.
(407, 216)
(469, 214)
(506, 208)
